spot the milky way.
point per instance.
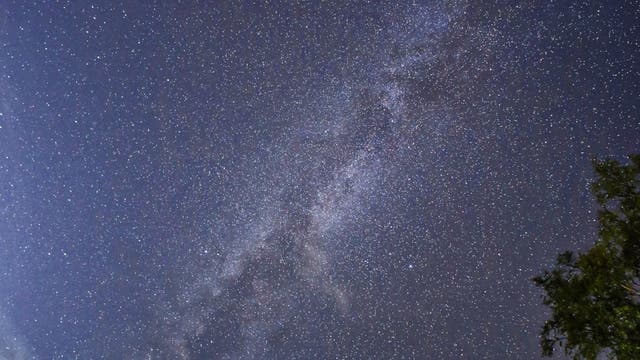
(298, 181)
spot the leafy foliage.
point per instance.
(595, 296)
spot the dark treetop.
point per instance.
(595, 297)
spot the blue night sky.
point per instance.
(300, 180)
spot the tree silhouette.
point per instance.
(595, 297)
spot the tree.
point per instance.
(595, 296)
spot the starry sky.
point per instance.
(300, 180)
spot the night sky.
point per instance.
(300, 180)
